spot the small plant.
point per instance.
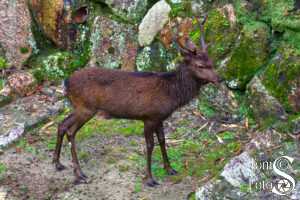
(24, 50)
(23, 144)
(59, 65)
(206, 109)
(3, 63)
(2, 82)
(3, 169)
(52, 68)
(138, 186)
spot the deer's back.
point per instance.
(121, 94)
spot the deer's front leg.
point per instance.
(162, 143)
(148, 132)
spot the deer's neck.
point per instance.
(184, 86)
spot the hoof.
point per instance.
(80, 174)
(59, 166)
(171, 172)
(151, 182)
(80, 180)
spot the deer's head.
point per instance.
(197, 59)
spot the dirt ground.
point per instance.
(108, 160)
(34, 177)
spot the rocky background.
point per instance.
(255, 46)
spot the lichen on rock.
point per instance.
(129, 10)
(113, 44)
(15, 30)
(156, 57)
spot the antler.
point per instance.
(202, 40)
(183, 40)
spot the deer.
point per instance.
(147, 96)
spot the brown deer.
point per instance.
(147, 96)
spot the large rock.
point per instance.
(113, 44)
(57, 19)
(240, 170)
(129, 10)
(15, 31)
(266, 109)
(219, 103)
(281, 77)
(251, 175)
(153, 22)
(21, 83)
(250, 53)
(25, 113)
(221, 32)
(275, 92)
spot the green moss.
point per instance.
(123, 168)
(203, 156)
(280, 18)
(248, 12)
(282, 74)
(182, 8)
(206, 109)
(110, 128)
(249, 55)
(51, 143)
(84, 156)
(292, 38)
(218, 33)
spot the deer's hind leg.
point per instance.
(82, 117)
(61, 131)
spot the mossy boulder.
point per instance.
(54, 65)
(266, 109)
(219, 103)
(220, 34)
(282, 77)
(131, 11)
(113, 44)
(280, 13)
(250, 53)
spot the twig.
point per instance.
(47, 126)
(202, 127)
